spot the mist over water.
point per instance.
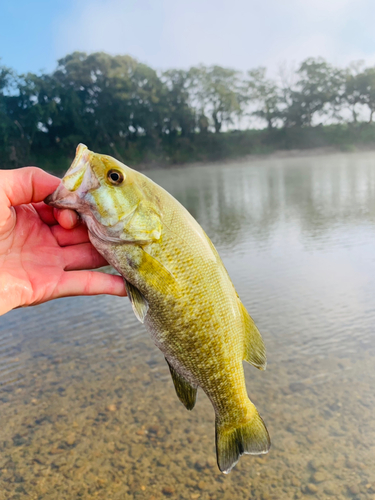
(86, 401)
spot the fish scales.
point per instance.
(207, 317)
(179, 288)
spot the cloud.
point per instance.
(240, 33)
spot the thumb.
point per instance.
(26, 185)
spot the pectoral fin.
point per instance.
(138, 301)
(186, 393)
(254, 349)
(157, 275)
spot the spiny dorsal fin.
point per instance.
(138, 301)
(254, 349)
(186, 393)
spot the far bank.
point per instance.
(144, 153)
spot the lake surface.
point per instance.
(87, 406)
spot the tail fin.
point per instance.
(249, 438)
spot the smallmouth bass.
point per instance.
(178, 287)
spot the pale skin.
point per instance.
(45, 253)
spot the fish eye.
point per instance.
(115, 177)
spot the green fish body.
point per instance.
(178, 287)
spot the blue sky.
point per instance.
(169, 33)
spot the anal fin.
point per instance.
(138, 301)
(254, 349)
(186, 393)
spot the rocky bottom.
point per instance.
(109, 426)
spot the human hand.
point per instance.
(44, 254)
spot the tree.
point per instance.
(14, 140)
(217, 92)
(366, 83)
(265, 94)
(6, 80)
(317, 91)
(104, 99)
(352, 90)
(178, 113)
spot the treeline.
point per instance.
(120, 106)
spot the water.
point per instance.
(87, 407)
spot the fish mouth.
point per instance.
(63, 198)
(77, 182)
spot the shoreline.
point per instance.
(250, 158)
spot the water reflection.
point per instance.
(315, 195)
(86, 402)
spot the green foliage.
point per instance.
(352, 93)
(265, 95)
(178, 112)
(366, 82)
(122, 107)
(317, 92)
(218, 93)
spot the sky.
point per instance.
(241, 34)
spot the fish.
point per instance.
(178, 288)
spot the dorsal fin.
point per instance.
(186, 393)
(254, 349)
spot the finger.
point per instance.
(65, 237)
(75, 283)
(67, 218)
(83, 256)
(27, 185)
(45, 213)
